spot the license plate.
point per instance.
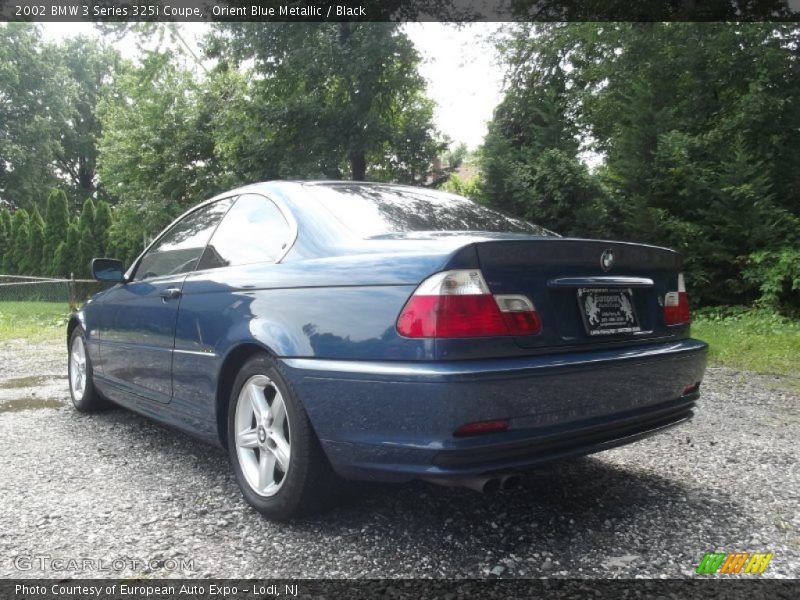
(608, 311)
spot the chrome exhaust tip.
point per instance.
(491, 486)
(509, 482)
(484, 485)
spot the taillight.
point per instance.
(519, 314)
(676, 305)
(458, 304)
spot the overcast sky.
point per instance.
(459, 64)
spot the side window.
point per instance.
(253, 231)
(181, 247)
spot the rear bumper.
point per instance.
(394, 421)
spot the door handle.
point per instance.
(170, 294)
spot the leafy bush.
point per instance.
(469, 188)
(776, 273)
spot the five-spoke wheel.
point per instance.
(77, 367)
(277, 459)
(79, 370)
(263, 435)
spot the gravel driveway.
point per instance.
(151, 501)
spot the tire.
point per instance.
(276, 456)
(80, 375)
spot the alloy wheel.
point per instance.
(77, 368)
(263, 438)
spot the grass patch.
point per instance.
(755, 340)
(33, 321)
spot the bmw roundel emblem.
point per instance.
(607, 260)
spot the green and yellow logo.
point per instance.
(731, 563)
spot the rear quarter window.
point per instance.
(253, 231)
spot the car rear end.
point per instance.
(541, 347)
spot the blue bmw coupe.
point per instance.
(331, 331)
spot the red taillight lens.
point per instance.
(676, 305)
(480, 427)
(451, 316)
(457, 304)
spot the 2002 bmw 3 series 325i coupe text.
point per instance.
(326, 331)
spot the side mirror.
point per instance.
(108, 269)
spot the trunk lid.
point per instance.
(568, 278)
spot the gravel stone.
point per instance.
(616, 562)
(116, 486)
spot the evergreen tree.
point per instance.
(56, 220)
(86, 219)
(18, 242)
(102, 225)
(5, 233)
(59, 266)
(87, 246)
(5, 218)
(34, 253)
(695, 126)
(66, 260)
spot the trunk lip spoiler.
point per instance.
(600, 281)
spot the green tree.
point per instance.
(5, 233)
(159, 157)
(350, 91)
(56, 220)
(91, 67)
(13, 261)
(102, 225)
(696, 125)
(530, 159)
(87, 246)
(700, 134)
(126, 237)
(66, 261)
(455, 158)
(34, 247)
(49, 128)
(33, 88)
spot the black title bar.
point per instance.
(398, 10)
(395, 589)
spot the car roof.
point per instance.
(284, 183)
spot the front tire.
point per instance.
(276, 456)
(79, 371)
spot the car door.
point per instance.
(137, 321)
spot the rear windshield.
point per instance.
(374, 210)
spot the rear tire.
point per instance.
(276, 456)
(79, 371)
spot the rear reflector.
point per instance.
(676, 305)
(458, 304)
(691, 388)
(480, 427)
